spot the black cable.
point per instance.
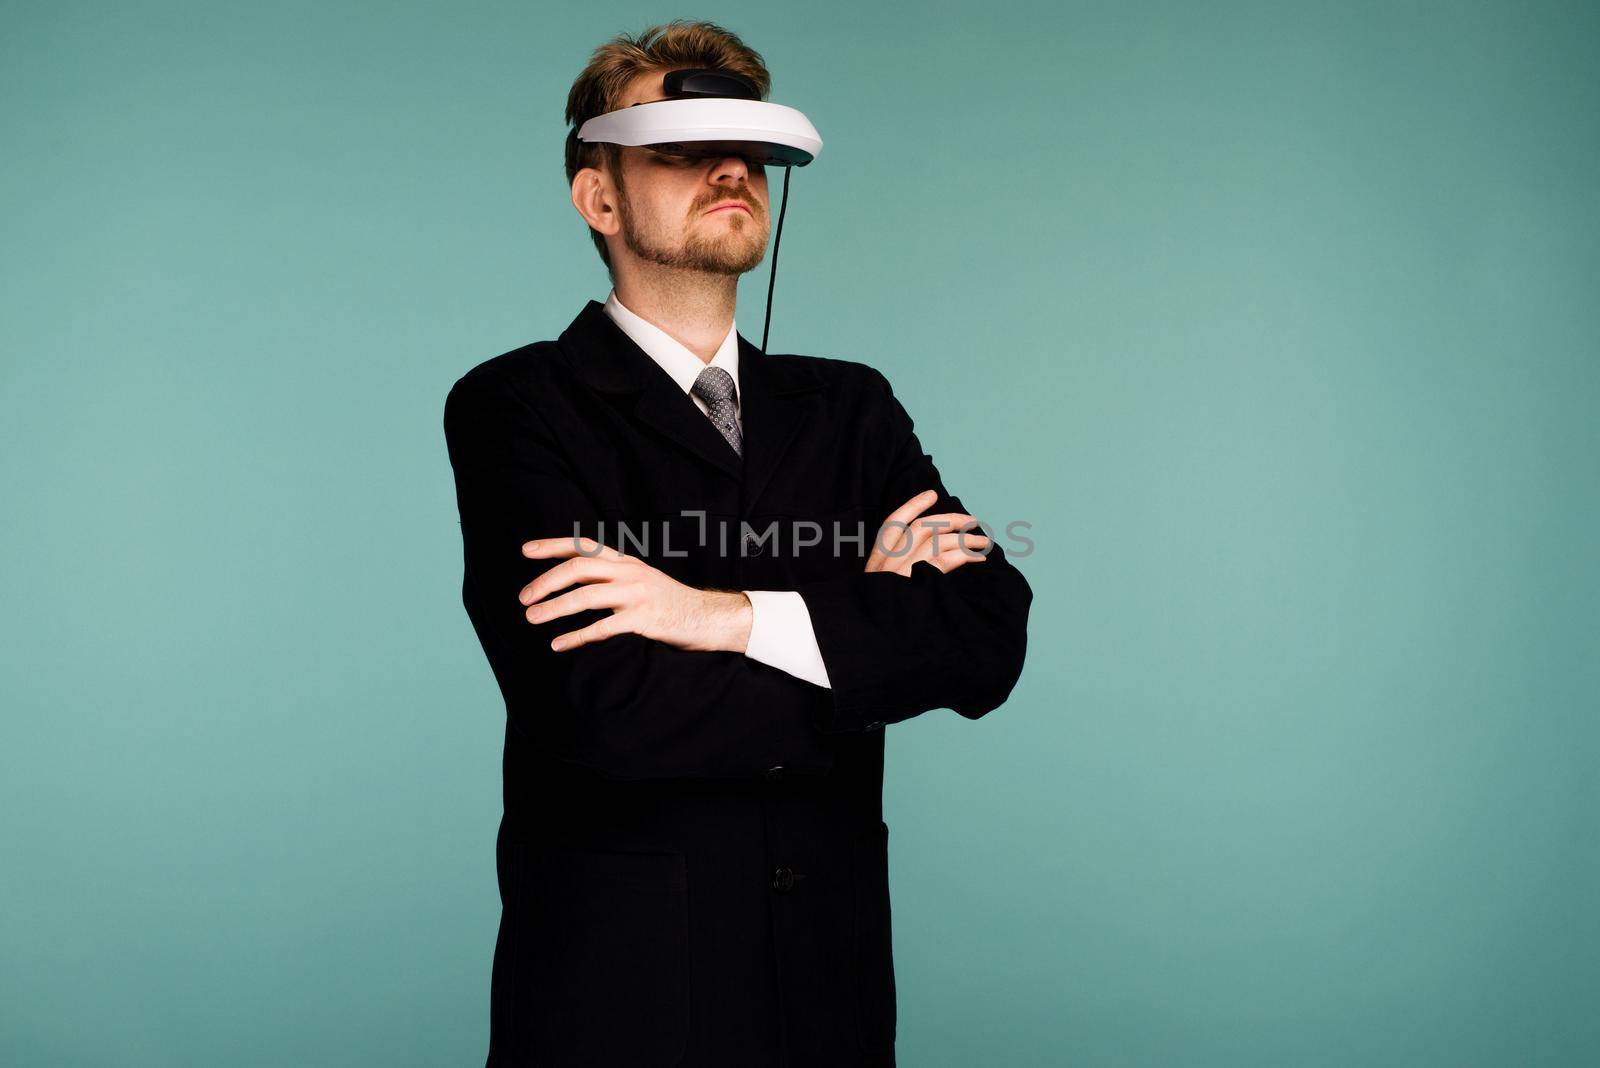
(776, 237)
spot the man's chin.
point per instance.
(732, 261)
(727, 255)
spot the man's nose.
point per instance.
(730, 167)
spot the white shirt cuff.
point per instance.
(781, 635)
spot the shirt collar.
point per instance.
(674, 358)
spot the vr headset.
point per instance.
(709, 114)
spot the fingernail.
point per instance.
(558, 644)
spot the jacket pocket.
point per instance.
(874, 941)
(603, 965)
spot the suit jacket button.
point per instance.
(783, 880)
(875, 724)
(752, 547)
(775, 772)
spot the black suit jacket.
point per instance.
(693, 863)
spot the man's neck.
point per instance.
(695, 308)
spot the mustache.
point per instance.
(747, 201)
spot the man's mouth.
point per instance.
(729, 205)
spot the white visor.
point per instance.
(697, 126)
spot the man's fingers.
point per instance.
(946, 552)
(927, 528)
(951, 559)
(962, 542)
(897, 520)
(890, 540)
(968, 541)
(578, 569)
(598, 631)
(548, 547)
(912, 508)
(933, 526)
(582, 599)
(906, 536)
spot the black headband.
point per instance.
(692, 83)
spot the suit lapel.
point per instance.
(608, 359)
(773, 399)
(773, 405)
(669, 410)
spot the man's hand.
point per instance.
(938, 539)
(642, 600)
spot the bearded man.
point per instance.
(706, 578)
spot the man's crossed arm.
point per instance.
(646, 601)
(654, 682)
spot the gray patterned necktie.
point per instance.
(715, 387)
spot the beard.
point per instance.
(732, 249)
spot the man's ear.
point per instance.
(595, 197)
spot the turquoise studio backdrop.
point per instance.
(1277, 322)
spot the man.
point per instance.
(693, 863)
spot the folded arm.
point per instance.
(629, 707)
(896, 645)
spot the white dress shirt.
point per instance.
(781, 634)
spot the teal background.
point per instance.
(1278, 323)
